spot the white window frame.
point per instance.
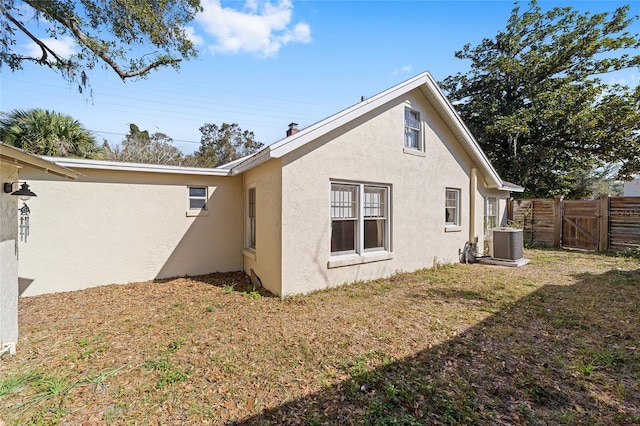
(372, 211)
(197, 211)
(455, 221)
(345, 206)
(490, 203)
(360, 254)
(407, 126)
(251, 218)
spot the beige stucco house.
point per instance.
(394, 183)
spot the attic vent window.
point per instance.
(412, 130)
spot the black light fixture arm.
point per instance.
(8, 187)
(24, 192)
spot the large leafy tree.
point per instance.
(536, 101)
(222, 144)
(44, 132)
(141, 147)
(132, 37)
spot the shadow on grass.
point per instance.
(232, 282)
(561, 355)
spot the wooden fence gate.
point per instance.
(607, 223)
(581, 224)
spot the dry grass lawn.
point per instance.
(555, 342)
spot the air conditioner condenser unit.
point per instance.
(506, 247)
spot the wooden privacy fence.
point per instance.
(607, 223)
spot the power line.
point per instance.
(125, 134)
(226, 106)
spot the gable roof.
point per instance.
(429, 89)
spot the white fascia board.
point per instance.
(290, 143)
(232, 164)
(511, 188)
(426, 82)
(323, 127)
(81, 163)
(480, 156)
(251, 162)
(16, 156)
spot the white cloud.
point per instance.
(261, 27)
(195, 38)
(64, 47)
(402, 70)
(623, 77)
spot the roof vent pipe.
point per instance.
(293, 129)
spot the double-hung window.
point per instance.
(359, 218)
(344, 218)
(375, 217)
(490, 213)
(452, 207)
(412, 129)
(251, 218)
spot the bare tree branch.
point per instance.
(86, 41)
(45, 49)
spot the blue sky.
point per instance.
(277, 62)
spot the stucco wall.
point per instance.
(119, 227)
(370, 150)
(266, 259)
(8, 258)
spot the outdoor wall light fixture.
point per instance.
(24, 193)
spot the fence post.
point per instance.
(603, 223)
(557, 221)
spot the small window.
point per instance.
(197, 198)
(490, 213)
(412, 130)
(452, 207)
(251, 218)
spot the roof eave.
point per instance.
(476, 153)
(511, 187)
(285, 146)
(81, 163)
(290, 143)
(431, 90)
(251, 162)
(16, 156)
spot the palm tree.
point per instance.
(45, 132)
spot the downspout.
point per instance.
(244, 219)
(473, 185)
(8, 348)
(472, 249)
